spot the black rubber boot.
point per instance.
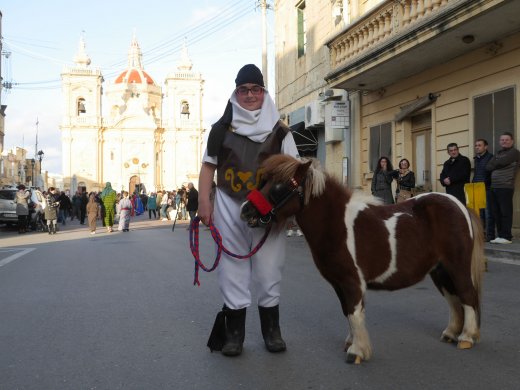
(235, 331)
(269, 321)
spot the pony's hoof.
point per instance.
(463, 344)
(447, 339)
(353, 359)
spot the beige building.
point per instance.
(131, 131)
(2, 106)
(16, 168)
(419, 74)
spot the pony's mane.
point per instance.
(282, 167)
(315, 180)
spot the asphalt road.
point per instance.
(119, 311)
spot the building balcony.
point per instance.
(404, 37)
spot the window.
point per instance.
(302, 29)
(494, 115)
(380, 143)
(7, 194)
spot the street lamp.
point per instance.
(40, 157)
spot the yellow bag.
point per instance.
(475, 196)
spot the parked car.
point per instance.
(8, 206)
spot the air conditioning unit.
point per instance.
(314, 114)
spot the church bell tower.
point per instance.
(82, 121)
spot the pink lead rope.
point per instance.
(194, 246)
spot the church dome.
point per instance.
(134, 72)
(137, 76)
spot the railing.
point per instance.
(82, 120)
(82, 71)
(379, 26)
(185, 75)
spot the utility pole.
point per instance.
(36, 146)
(264, 6)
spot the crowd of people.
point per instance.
(107, 206)
(489, 193)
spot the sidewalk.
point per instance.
(504, 252)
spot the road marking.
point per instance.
(7, 260)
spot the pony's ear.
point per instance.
(301, 171)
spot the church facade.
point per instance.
(130, 131)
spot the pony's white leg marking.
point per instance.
(462, 208)
(360, 340)
(351, 212)
(456, 321)
(470, 333)
(348, 339)
(391, 225)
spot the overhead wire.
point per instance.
(227, 15)
(222, 16)
(201, 36)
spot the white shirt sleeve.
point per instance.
(209, 159)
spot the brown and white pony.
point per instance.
(358, 243)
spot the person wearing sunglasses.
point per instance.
(249, 131)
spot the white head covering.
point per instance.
(257, 124)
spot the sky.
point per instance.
(41, 37)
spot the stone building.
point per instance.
(131, 131)
(417, 74)
(16, 168)
(2, 106)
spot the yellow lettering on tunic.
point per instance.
(259, 173)
(240, 179)
(230, 176)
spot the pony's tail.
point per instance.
(478, 259)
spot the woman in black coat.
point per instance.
(382, 181)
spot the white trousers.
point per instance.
(262, 272)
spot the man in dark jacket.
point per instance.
(65, 207)
(455, 173)
(83, 207)
(480, 175)
(503, 167)
(193, 201)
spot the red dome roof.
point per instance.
(134, 76)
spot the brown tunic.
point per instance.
(240, 157)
